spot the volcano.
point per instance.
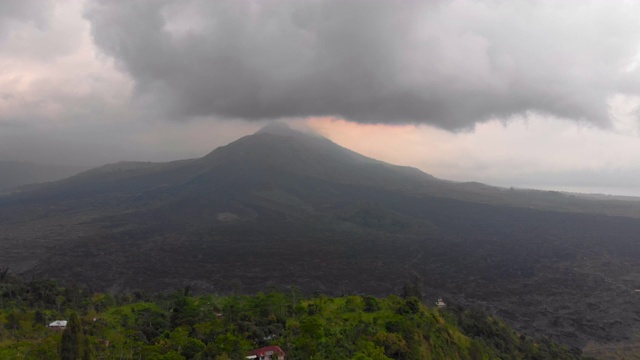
(282, 208)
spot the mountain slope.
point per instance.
(281, 208)
(14, 173)
(277, 148)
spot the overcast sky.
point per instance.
(517, 93)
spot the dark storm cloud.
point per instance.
(450, 63)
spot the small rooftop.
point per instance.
(269, 351)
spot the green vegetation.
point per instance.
(183, 326)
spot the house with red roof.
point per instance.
(267, 353)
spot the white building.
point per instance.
(58, 325)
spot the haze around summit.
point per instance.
(525, 94)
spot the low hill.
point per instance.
(15, 173)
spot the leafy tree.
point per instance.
(370, 304)
(192, 347)
(410, 306)
(39, 318)
(369, 351)
(87, 349)
(72, 339)
(13, 320)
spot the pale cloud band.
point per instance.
(527, 151)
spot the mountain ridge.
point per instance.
(296, 151)
(17, 173)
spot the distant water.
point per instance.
(621, 191)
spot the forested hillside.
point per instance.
(180, 325)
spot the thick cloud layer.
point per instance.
(450, 63)
(16, 15)
(24, 11)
